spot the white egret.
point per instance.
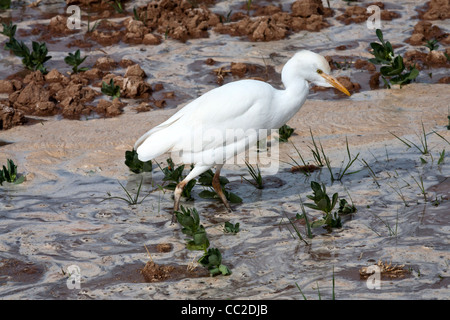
(241, 105)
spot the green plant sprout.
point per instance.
(131, 200)
(305, 217)
(212, 260)
(343, 170)
(231, 228)
(284, 133)
(189, 219)
(423, 141)
(134, 164)
(441, 157)
(393, 68)
(421, 187)
(5, 4)
(33, 60)
(111, 89)
(174, 176)
(349, 163)
(299, 235)
(315, 151)
(9, 30)
(117, 5)
(322, 202)
(432, 44)
(9, 173)
(75, 61)
(255, 174)
(205, 180)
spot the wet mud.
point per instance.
(71, 153)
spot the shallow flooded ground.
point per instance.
(59, 216)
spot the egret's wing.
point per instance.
(239, 105)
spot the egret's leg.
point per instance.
(218, 188)
(198, 170)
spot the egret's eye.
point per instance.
(319, 71)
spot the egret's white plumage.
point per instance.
(241, 105)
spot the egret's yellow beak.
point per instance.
(331, 80)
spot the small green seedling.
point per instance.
(212, 260)
(131, 200)
(174, 176)
(393, 68)
(423, 141)
(284, 133)
(111, 89)
(9, 30)
(322, 202)
(134, 164)
(33, 60)
(5, 4)
(117, 5)
(9, 174)
(231, 228)
(206, 181)
(432, 44)
(255, 174)
(75, 61)
(190, 221)
(345, 207)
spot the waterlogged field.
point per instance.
(358, 208)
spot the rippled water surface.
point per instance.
(59, 216)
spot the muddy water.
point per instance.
(59, 218)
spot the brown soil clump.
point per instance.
(275, 25)
(364, 64)
(432, 59)
(387, 270)
(356, 14)
(32, 93)
(153, 272)
(179, 20)
(10, 117)
(436, 10)
(425, 30)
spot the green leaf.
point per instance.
(232, 197)
(224, 270)
(5, 4)
(206, 194)
(379, 34)
(134, 164)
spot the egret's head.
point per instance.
(312, 67)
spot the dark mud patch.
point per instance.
(13, 270)
(210, 72)
(153, 272)
(4, 143)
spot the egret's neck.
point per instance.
(290, 100)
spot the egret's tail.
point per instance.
(158, 140)
(153, 144)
